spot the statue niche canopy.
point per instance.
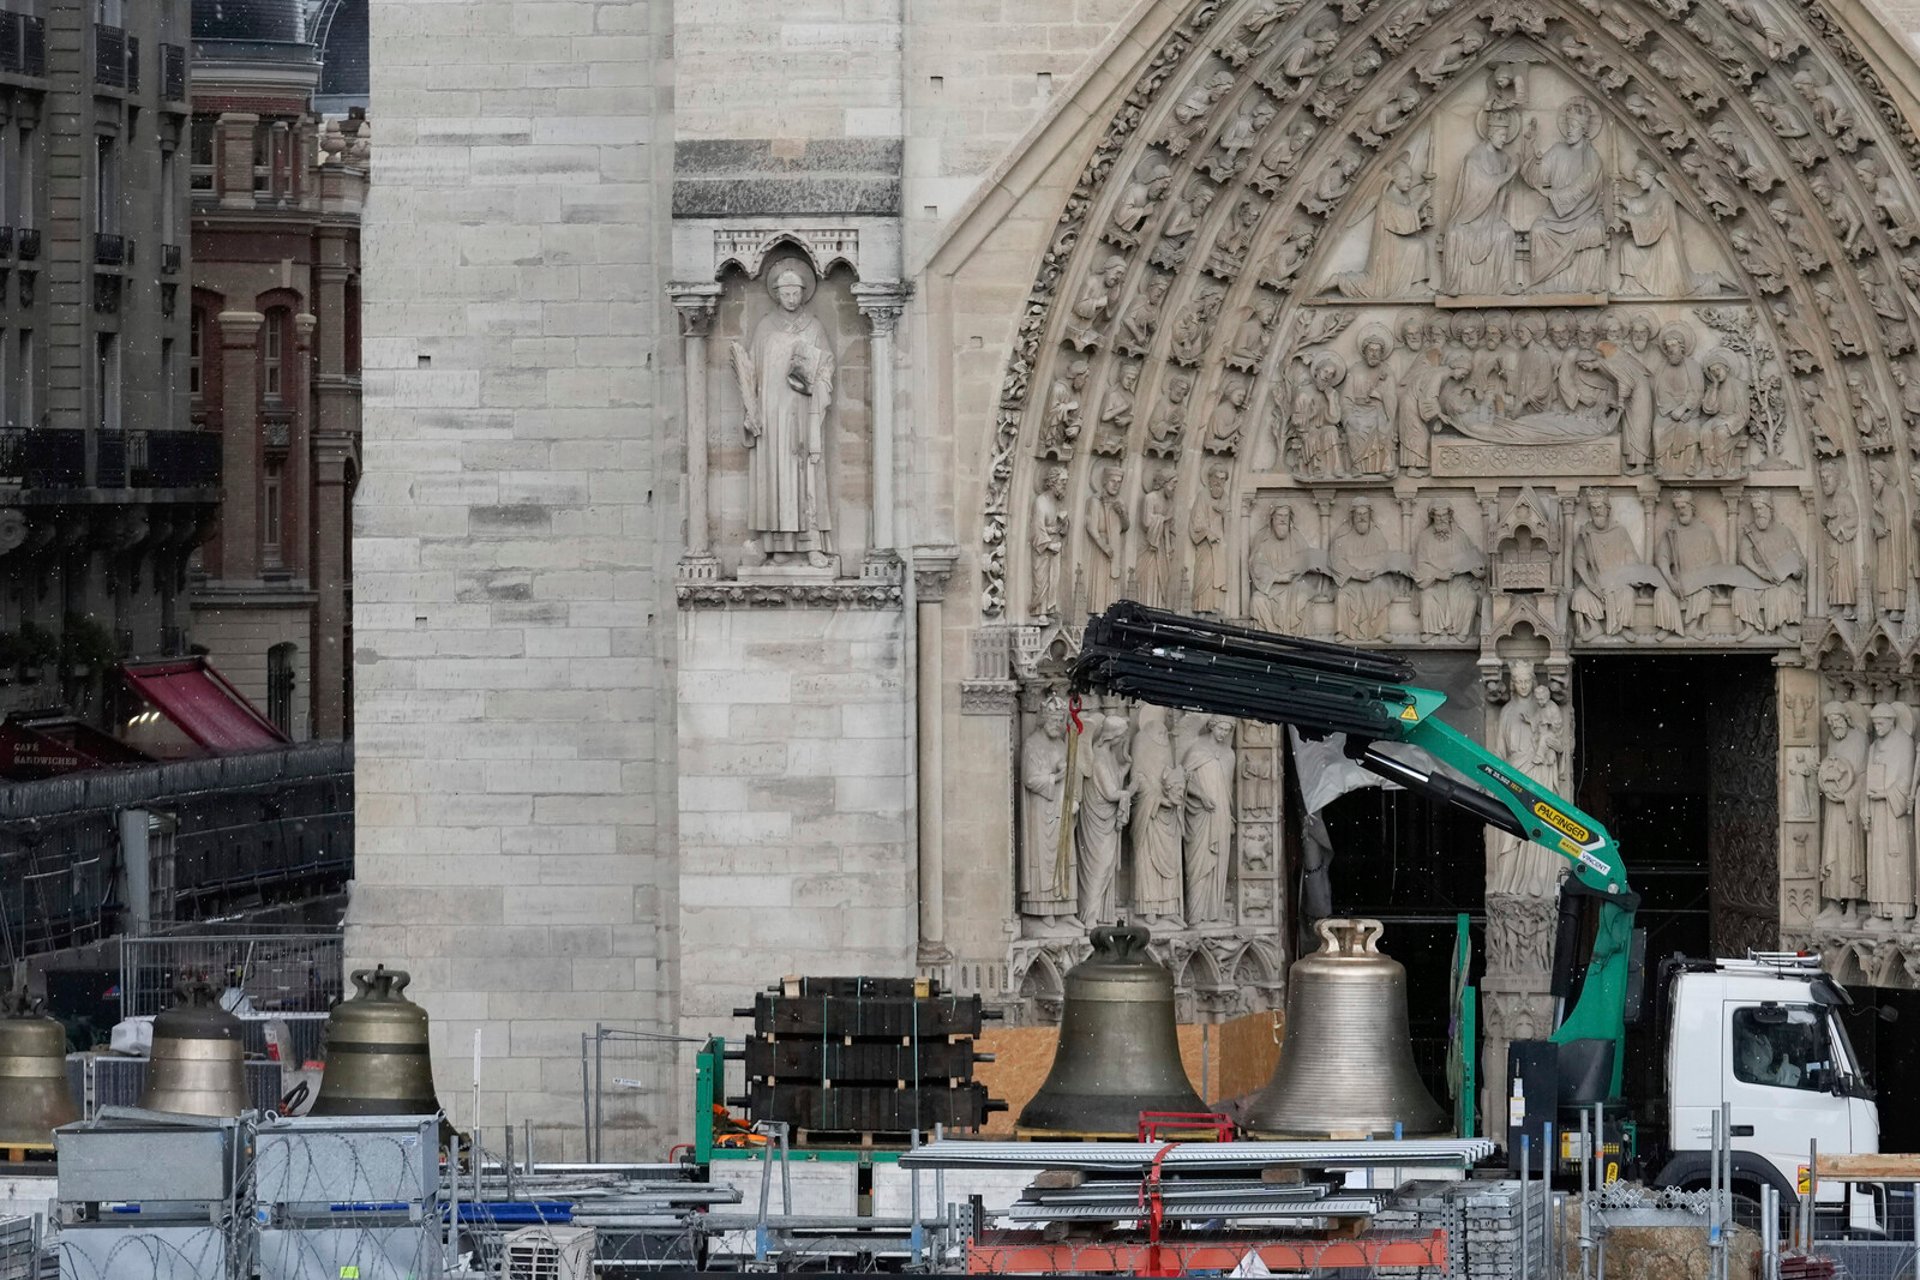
(1536, 329)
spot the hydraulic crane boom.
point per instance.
(1318, 688)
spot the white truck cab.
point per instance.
(1763, 1035)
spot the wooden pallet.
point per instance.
(21, 1152)
(850, 1140)
(1068, 1135)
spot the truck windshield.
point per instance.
(1788, 1048)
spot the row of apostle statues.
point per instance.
(1137, 817)
(1867, 782)
(1523, 379)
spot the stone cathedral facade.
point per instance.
(750, 431)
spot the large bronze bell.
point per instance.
(34, 1098)
(1118, 1054)
(377, 1063)
(1346, 1065)
(195, 1068)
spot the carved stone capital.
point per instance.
(933, 571)
(988, 697)
(857, 593)
(881, 302)
(695, 304)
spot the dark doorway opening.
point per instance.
(1676, 756)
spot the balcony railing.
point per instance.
(56, 458)
(6, 243)
(179, 460)
(29, 244)
(109, 56)
(111, 251)
(33, 46)
(10, 51)
(169, 259)
(43, 457)
(173, 72)
(133, 63)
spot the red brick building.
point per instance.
(274, 360)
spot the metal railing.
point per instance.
(628, 1090)
(170, 259)
(111, 250)
(109, 56)
(173, 72)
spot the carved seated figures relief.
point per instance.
(1450, 570)
(1366, 570)
(1611, 580)
(786, 380)
(1769, 551)
(1287, 574)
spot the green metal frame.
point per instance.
(1551, 822)
(709, 1086)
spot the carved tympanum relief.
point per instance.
(1407, 322)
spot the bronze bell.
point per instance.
(1118, 1054)
(377, 1062)
(195, 1068)
(1346, 1065)
(34, 1097)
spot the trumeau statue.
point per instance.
(1107, 531)
(1842, 776)
(1887, 815)
(1207, 852)
(786, 380)
(1105, 803)
(1047, 871)
(1156, 826)
(1533, 735)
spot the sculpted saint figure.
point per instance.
(1317, 410)
(1840, 564)
(1569, 240)
(1397, 252)
(1536, 372)
(1371, 403)
(1107, 531)
(1286, 573)
(1889, 542)
(1448, 567)
(1156, 825)
(1152, 179)
(1046, 536)
(1532, 733)
(1609, 576)
(1207, 528)
(1157, 535)
(1653, 257)
(1105, 802)
(1208, 848)
(1363, 565)
(1888, 814)
(1726, 409)
(1046, 878)
(1418, 395)
(1770, 552)
(1689, 555)
(1478, 246)
(1627, 364)
(1678, 388)
(786, 380)
(1843, 771)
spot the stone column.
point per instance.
(932, 570)
(881, 303)
(296, 486)
(695, 304)
(239, 446)
(328, 683)
(233, 158)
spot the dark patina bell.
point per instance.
(1346, 1066)
(196, 1066)
(34, 1098)
(1119, 1053)
(377, 1060)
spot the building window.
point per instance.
(169, 385)
(25, 214)
(196, 330)
(107, 381)
(200, 140)
(270, 514)
(263, 159)
(270, 355)
(107, 13)
(106, 185)
(280, 680)
(167, 198)
(23, 369)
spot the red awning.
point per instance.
(205, 707)
(42, 747)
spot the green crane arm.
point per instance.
(1318, 688)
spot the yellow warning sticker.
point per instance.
(349, 1272)
(1409, 713)
(1805, 1184)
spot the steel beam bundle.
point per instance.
(1173, 660)
(1250, 1206)
(955, 1153)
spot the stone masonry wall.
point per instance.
(514, 853)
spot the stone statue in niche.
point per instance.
(1610, 578)
(1191, 112)
(1061, 426)
(1697, 86)
(1653, 257)
(1770, 552)
(1286, 573)
(1164, 431)
(786, 381)
(1116, 411)
(1371, 403)
(1765, 267)
(1450, 57)
(1256, 330)
(1142, 320)
(1193, 329)
(1569, 239)
(1679, 386)
(1800, 801)
(1282, 157)
(1389, 116)
(1333, 184)
(1843, 771)
(1176, 240)
(1397, 257)
(1240, 135)
(1140, 199)
(1689, 555)
(1106, 801)
(1207, 851)
(1306, 59)
(1896, 214)
(1479, 249)
(1107, 530)
(1157, 822)
(1776, 33)
(1157, 540)
(1228, 421)
(1722, 200)
(1448, 568)
(1229, 255)
(1840, 513)
(1046, 536)
(1339, 84)
(1255, 34)
(1207, 530)
(1887, 815)
(1662, 125)
(1532, 733)
(1786, 123)
(1289, 254)
(1843, 215)
(1313, 448)
(1047, 888)
(1095, 303)
(1889, 541)
(1726, 409)
(1830, 107)
(1746, 159)
(1364, 565)
(1870, 421)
